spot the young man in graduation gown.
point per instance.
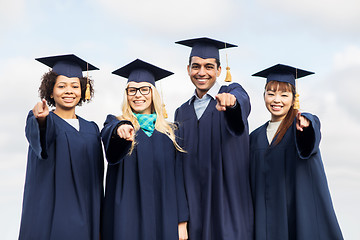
(214, 131)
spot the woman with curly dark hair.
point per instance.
(63, 187)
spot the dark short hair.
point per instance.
(48, 81)
(216, 60)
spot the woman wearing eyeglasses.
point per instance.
(144, 195)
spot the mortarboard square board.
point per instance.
(67, 65)
(282, 73)
(140, 71)
(205, 47)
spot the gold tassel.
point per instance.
(297, 101)
(164, 111)
(165, 115)
(87, 91)
(228, 77)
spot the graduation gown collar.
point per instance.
(212, 92)
(66, 125)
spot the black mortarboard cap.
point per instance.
(140, 71)
(282, 73)
(67, 65)
(205, 47)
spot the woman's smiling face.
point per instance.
(141, 101)
(66, 92)
(278, 102)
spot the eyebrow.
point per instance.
(272, 90)
(207, 64)
(67, 82)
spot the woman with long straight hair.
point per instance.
(144, 195)
(289, 187)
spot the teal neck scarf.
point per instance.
(147, 122)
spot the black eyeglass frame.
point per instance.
(147, 90)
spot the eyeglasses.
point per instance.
(131, 91)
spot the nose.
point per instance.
(201, 71)
(277, 98)
(68, 90)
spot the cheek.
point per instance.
(267, 99)
(148, 99)
(290, 102)
(79, 92)
(192, 73)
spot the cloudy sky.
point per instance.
(317, 35)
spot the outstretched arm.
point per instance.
(41, 111)
(308, 134)
(235, 103)
(39, 129)
(116, 136)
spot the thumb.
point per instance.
(217, 98)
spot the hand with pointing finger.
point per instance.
(126, 132)
(225, 100)
(301, 122)
(41, 111)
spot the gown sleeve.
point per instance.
(40, 138)
(308, 141)
(116, 148)
(182, 204)
(237, 117)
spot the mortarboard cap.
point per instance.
(282, 73)
(205, 47)
(67, 65)
(140, 71)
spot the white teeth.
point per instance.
(202, 80)
(276, 107)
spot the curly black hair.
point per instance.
(48, 81)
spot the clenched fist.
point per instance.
(225, 100)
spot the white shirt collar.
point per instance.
(212, 92)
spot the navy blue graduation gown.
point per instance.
(144, 194)
(289, 186)
(216, 169)
(64, 181)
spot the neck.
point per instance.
(65, 114)
(276, 119)
(200, 93)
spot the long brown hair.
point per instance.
(289, 118)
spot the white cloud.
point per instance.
(172, 16)
(349, 57)
(332, 14)
(11, 12)
(344, 80)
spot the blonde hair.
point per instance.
(161, 124)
